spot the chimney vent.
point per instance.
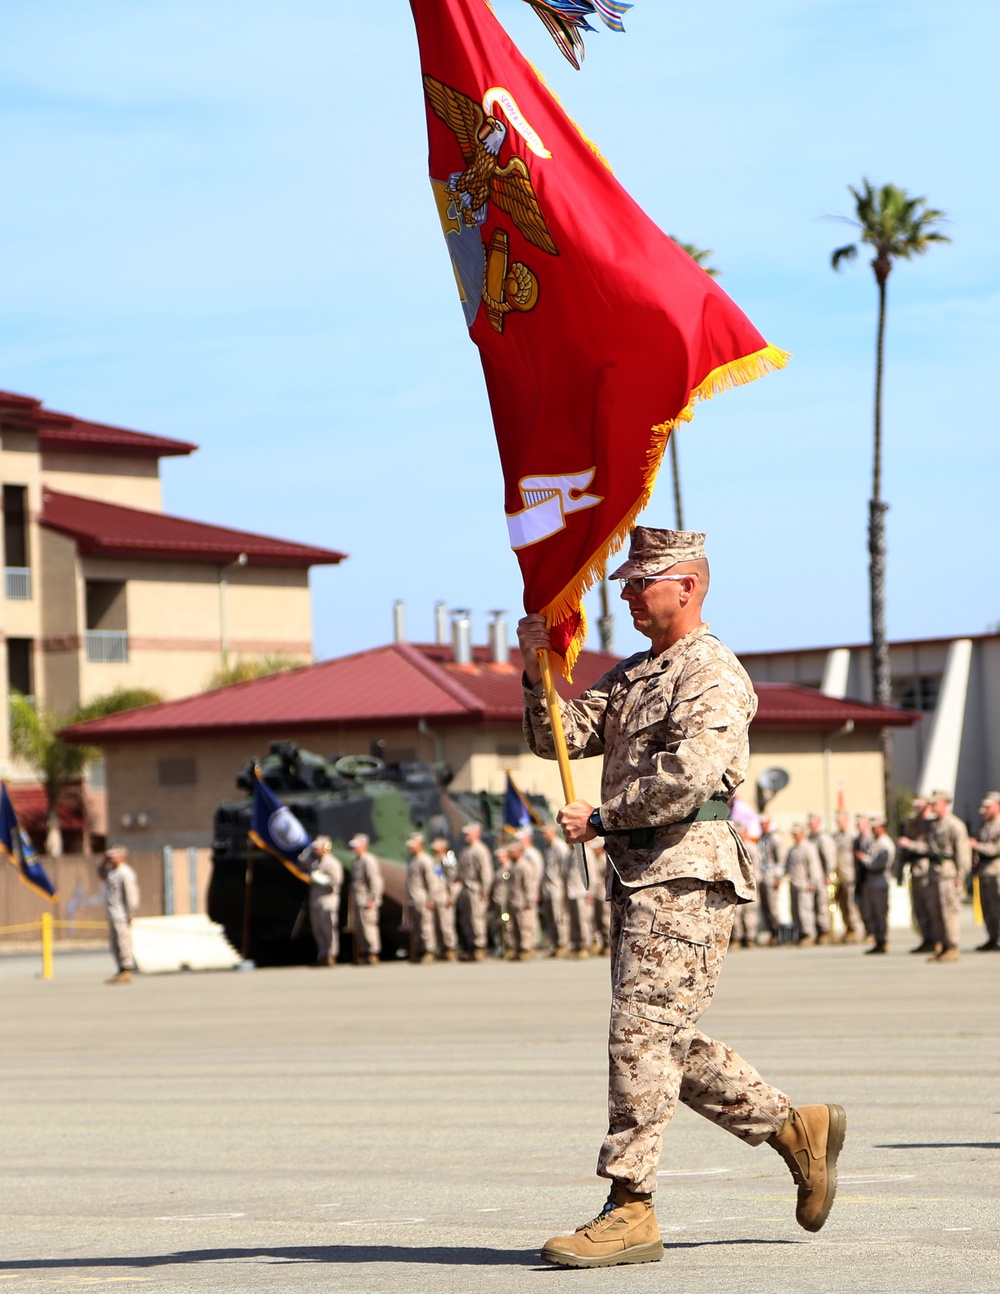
(440, 623)
(461, 636)
(399, 622)
(499, 653)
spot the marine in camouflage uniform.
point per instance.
(770, 871)
(121, 903)
(419, 905)
(672, 726)
(878, 860)
(367, 889)
(577, 904)
(846, 872)
(987, 850)
(600, 908)
(554, 899)
(804, 870)
(951, 862)
(822, 842)
(475, 871)
(325, 883)
(914, 853)
(442, 899)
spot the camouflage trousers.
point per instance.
(944, 898)
(472, 918)
(920, 902)
(989, 897)
(668, 943)
(120, 938)
(324, 920)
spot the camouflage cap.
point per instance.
(651, 552)
(360, 840)
(991, 797)
(940, 795)
(415, 838)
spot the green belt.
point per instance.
(716, 810)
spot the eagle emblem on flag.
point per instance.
(487, 272)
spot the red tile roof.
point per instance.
(69, 434)
(405, 682)
(31, 806)
(110, 530)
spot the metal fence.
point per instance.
(171, 881)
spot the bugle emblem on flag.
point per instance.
(597, 333)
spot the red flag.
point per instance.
(597, 333)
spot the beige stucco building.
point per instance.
(102, 589)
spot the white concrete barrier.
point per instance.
(163, 944)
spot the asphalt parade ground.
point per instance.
(406, 1128)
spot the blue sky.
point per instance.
(216, 225)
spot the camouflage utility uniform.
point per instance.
(326, 881)
(945, 845)
(988, 872)
(121, 902)
(554, 909)
(420, 879)
(673, 732)
(847, 879)
(367, 888)
(475, 870)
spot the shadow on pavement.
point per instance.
(939, 1145)
(444, 1256)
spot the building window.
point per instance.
(17, 562)
(20, 666)
(178, 770)
(107, 622)
(918, 693)
(97, 774)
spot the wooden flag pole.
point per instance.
(559, 738)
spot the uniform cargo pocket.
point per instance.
(670, 980)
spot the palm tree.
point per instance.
(896, 227)
(242, 671)
(699, 255)
(34, 738)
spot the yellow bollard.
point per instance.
(46, 945)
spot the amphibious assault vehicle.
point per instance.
(335, 797)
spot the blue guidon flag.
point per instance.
(275, 828)
(18, 850)
(517, 812)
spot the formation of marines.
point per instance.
(520, 899)
(851, 872)
(512, 901)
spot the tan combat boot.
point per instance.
(809, 1143)
(624, 1231)
(123, 977)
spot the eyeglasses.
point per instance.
(639, 583)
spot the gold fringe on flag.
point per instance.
(569, 601)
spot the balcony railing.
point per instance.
(17, 583)
(107, 646)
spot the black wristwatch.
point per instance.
(595, 821)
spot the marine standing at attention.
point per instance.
(672, 726)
